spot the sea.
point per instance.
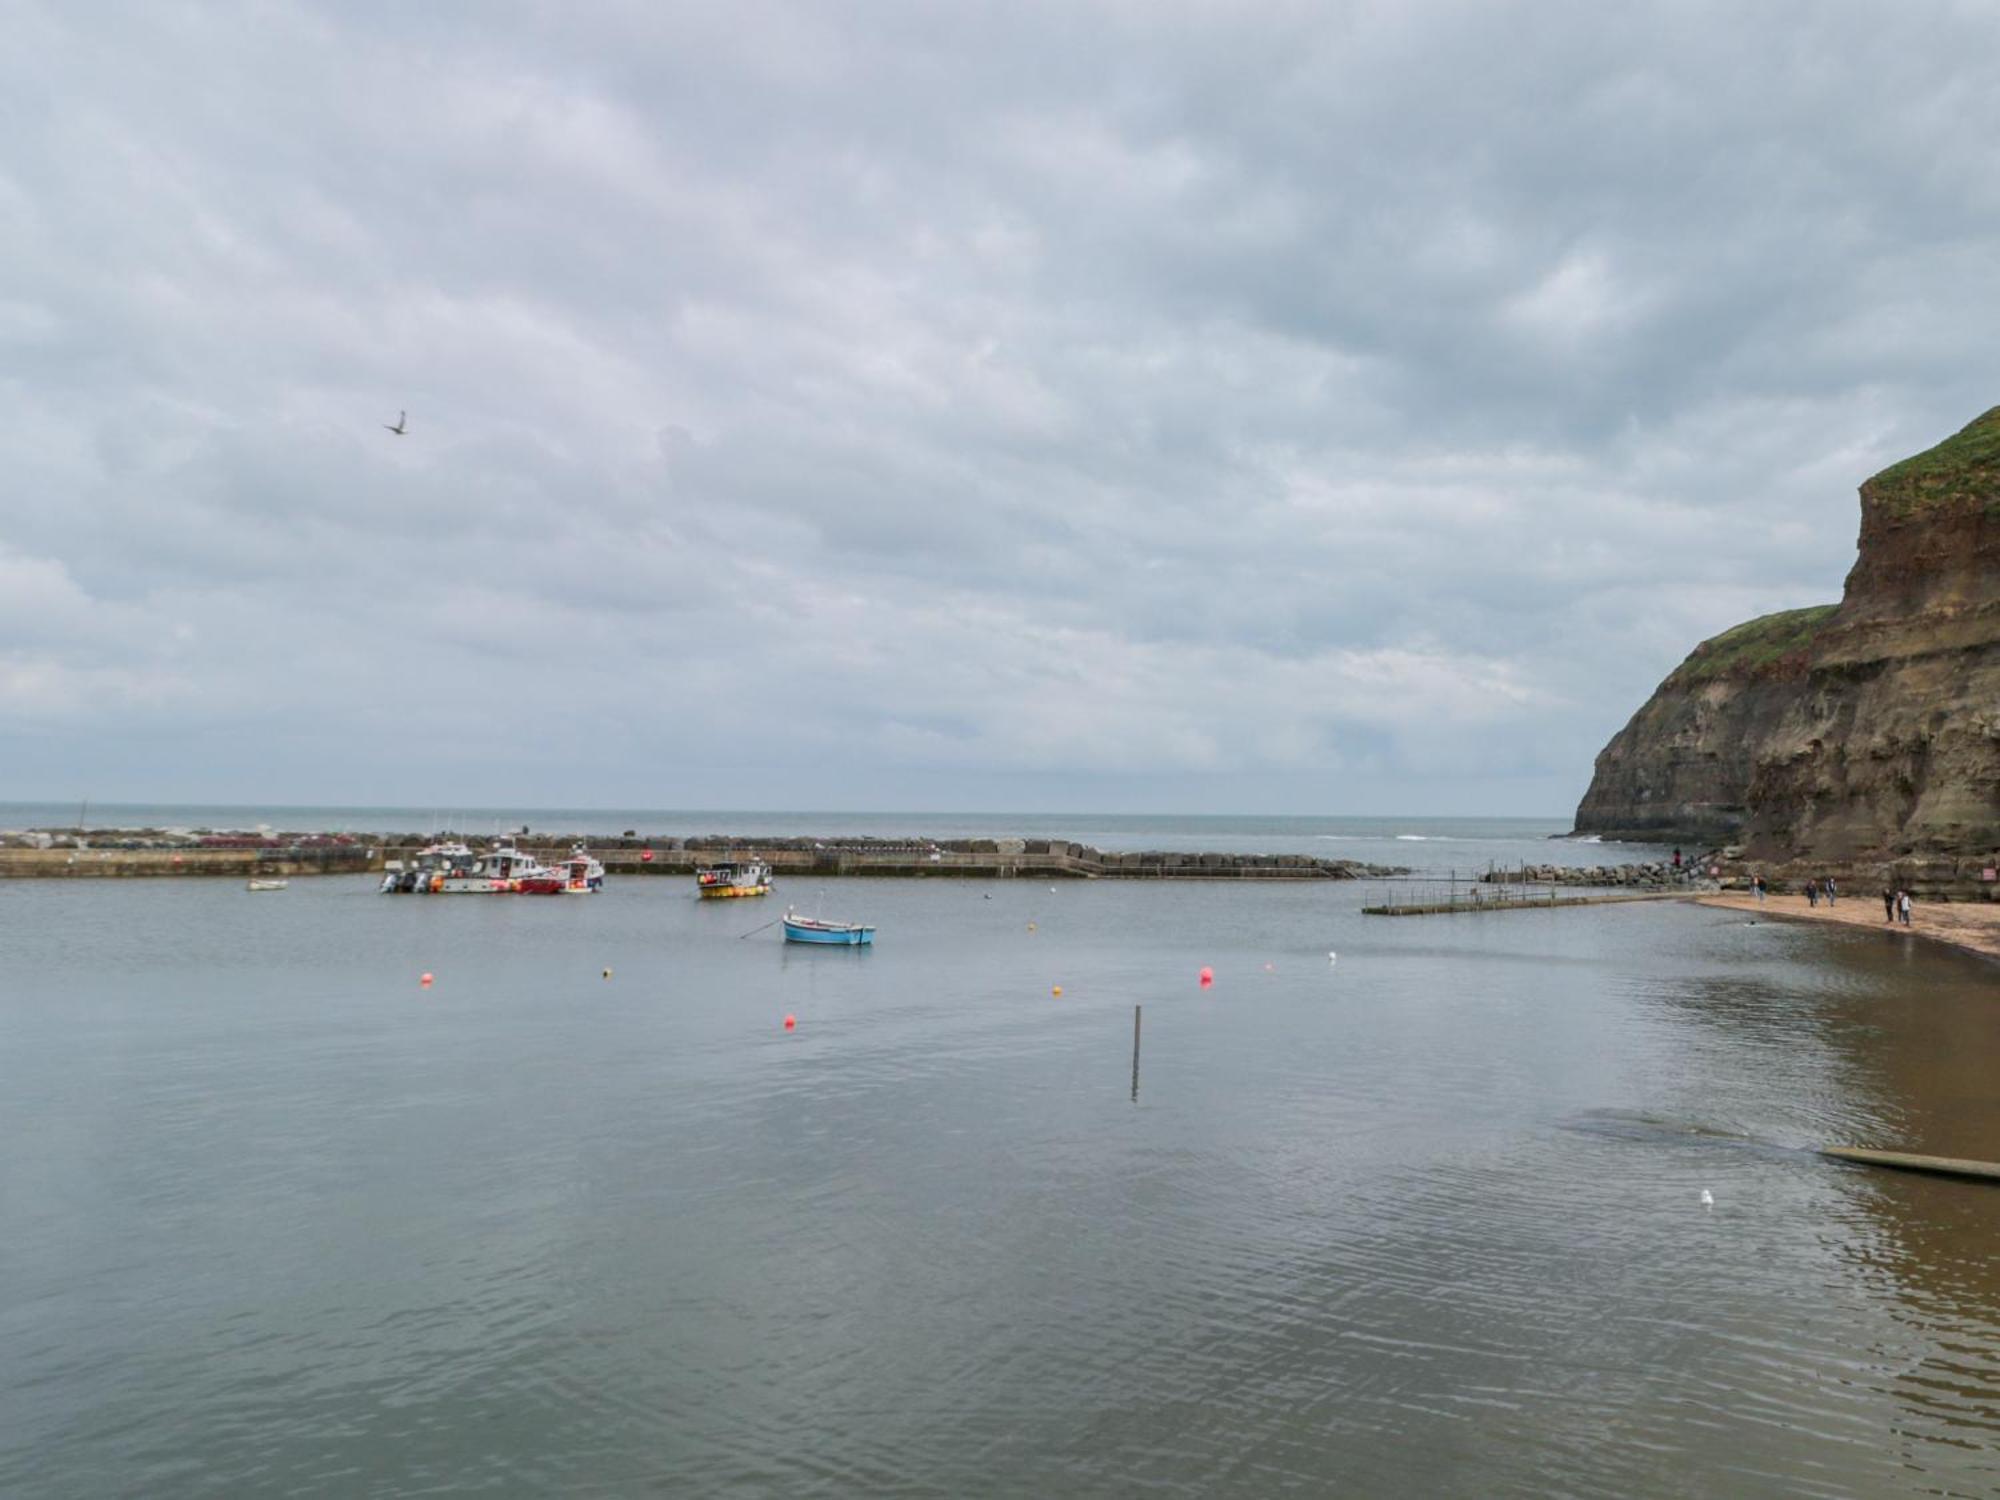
(1516, 1203)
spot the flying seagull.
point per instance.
(402, 424)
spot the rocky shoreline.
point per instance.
(1937, 879)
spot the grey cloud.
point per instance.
(1025, 401)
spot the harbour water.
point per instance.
(1424, 1220)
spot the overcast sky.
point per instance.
(1320, 408)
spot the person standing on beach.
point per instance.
(1888, 904)
(1830, 888)
(1757, 885)
(1812, 893)
(1903, 905)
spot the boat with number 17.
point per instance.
(752, 878)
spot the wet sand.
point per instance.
(1975, 927)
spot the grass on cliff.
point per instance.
(1967, 461)
(1750, 647)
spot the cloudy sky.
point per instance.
(1322, 408)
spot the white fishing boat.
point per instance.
(579, 875)
(585, 872)
(500, 871)
(424, 872)
(266, 885)
(452, 869)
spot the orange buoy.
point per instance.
(425, 981)
(791, 1023)
(1207, 976)
(1057, 992)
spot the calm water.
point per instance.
(1424, 1221)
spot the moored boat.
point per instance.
(452, 869)
(800, 929)
(579, 875)
(502, 870)
(752, 878)
(425, 871)
(265, 885)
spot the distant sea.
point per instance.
(1422, 843)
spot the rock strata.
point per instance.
(1863, 731)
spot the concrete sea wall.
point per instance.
(140, 853)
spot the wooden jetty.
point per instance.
(1904, 1161)
(1514, 903)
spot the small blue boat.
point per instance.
(800, 929)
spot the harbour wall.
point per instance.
(141, 853)
(125, 864)
(1936, 878)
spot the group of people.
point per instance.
(1895, 904)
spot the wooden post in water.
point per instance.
(1135, 1054)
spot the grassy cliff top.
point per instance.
(1752, 646)
(1968, 462)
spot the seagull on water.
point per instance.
(402, 424)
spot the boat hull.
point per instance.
(729, 892)
(829, 936)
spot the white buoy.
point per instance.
(1332, 957)
(1707, 1198)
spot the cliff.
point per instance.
(1864, 730)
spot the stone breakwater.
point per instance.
(1931, 880)
(1660, 876)
(147, 852)
(92, 861)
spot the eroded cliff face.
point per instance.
(1862, 730)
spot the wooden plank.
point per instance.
(1904, 1161)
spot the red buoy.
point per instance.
(426, 980)
(1207, 976)
(646, 857)
(791, 1023)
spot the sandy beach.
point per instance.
(1962, 924)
